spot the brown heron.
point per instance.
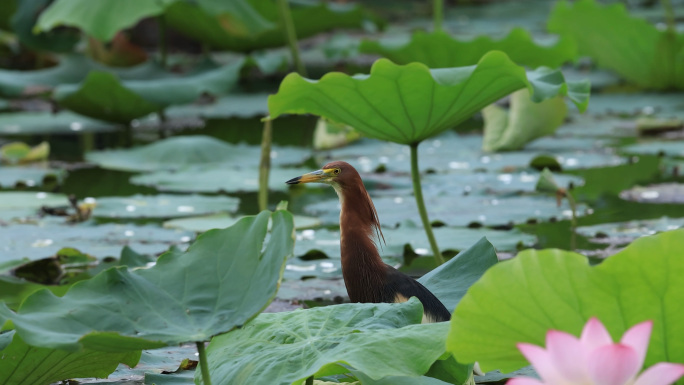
(366, 276)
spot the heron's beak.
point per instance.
(320, 176)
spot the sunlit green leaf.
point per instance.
(631, 46)
(407, 104)
(292, 346)
(521, 299)
(440, 50)
(22, 364)
(522, 123)
(224, 279)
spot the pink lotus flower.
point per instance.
(594, 359)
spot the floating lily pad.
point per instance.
(671, 148)
(428, 101)
(46, 239)
(622, 233)
(326, 268)
(461, 211)
(440, 50)
(448, 238)
(28, 176)
(19, 204)
(162, 206)
(193, 150)
(658, 193)
(201, 224)
(662, 104)
(38, 123)
(212, 179)
(130, 99)
(312, 289)
(234, 105)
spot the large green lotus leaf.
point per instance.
(194, 150)
(309, 17)
(448, 238)
(131, 99)
(16, 83)
(22, 364)
(524, 122)
(28, 176)
(407, 104)
(457, 210)
(630, 46)
(39, 123)
(24, 20)
(224, 279)
(521, 299)
(162, 206)
(292, 346)
(450, 281)
(440, 50)
(204, 223)
(106, 240)
(211, 179)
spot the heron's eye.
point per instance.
(336, 171)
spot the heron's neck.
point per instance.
(361, 263)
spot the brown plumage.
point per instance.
(366, 276)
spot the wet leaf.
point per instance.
(201, 224)
(126, 100)
(630, 46)
(292, 346)
(407, 104)
(65, 122)
(192, 150)
(657, 193)
(162, 206)
(440, 50)
(22, 364)
(14, 203)
(212, 179)
(105, 240)
(524, 122)
(224, 279)
(521, 299)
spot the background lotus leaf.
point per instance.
(28, 176)
(309, 18)
(162, 206)
(193, 150)
(65, 122)
(131, 99)
(632, 47)
(522, 123)
(22, 364)
(407, 104)
(24, 19)
(440, 50)
(224, 279)
(521, 299)
(204, 223)
(292, 346)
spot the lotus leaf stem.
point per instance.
(669, 16)
(265, 164)
(309, 381)
(438, 14)
(291, 34)
(203, 363)
(573, 221)
(418, 193)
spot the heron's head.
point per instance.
(337, 174)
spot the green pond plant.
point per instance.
(224, 280)
(547, 183)
(521, 299)
(408, 104)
